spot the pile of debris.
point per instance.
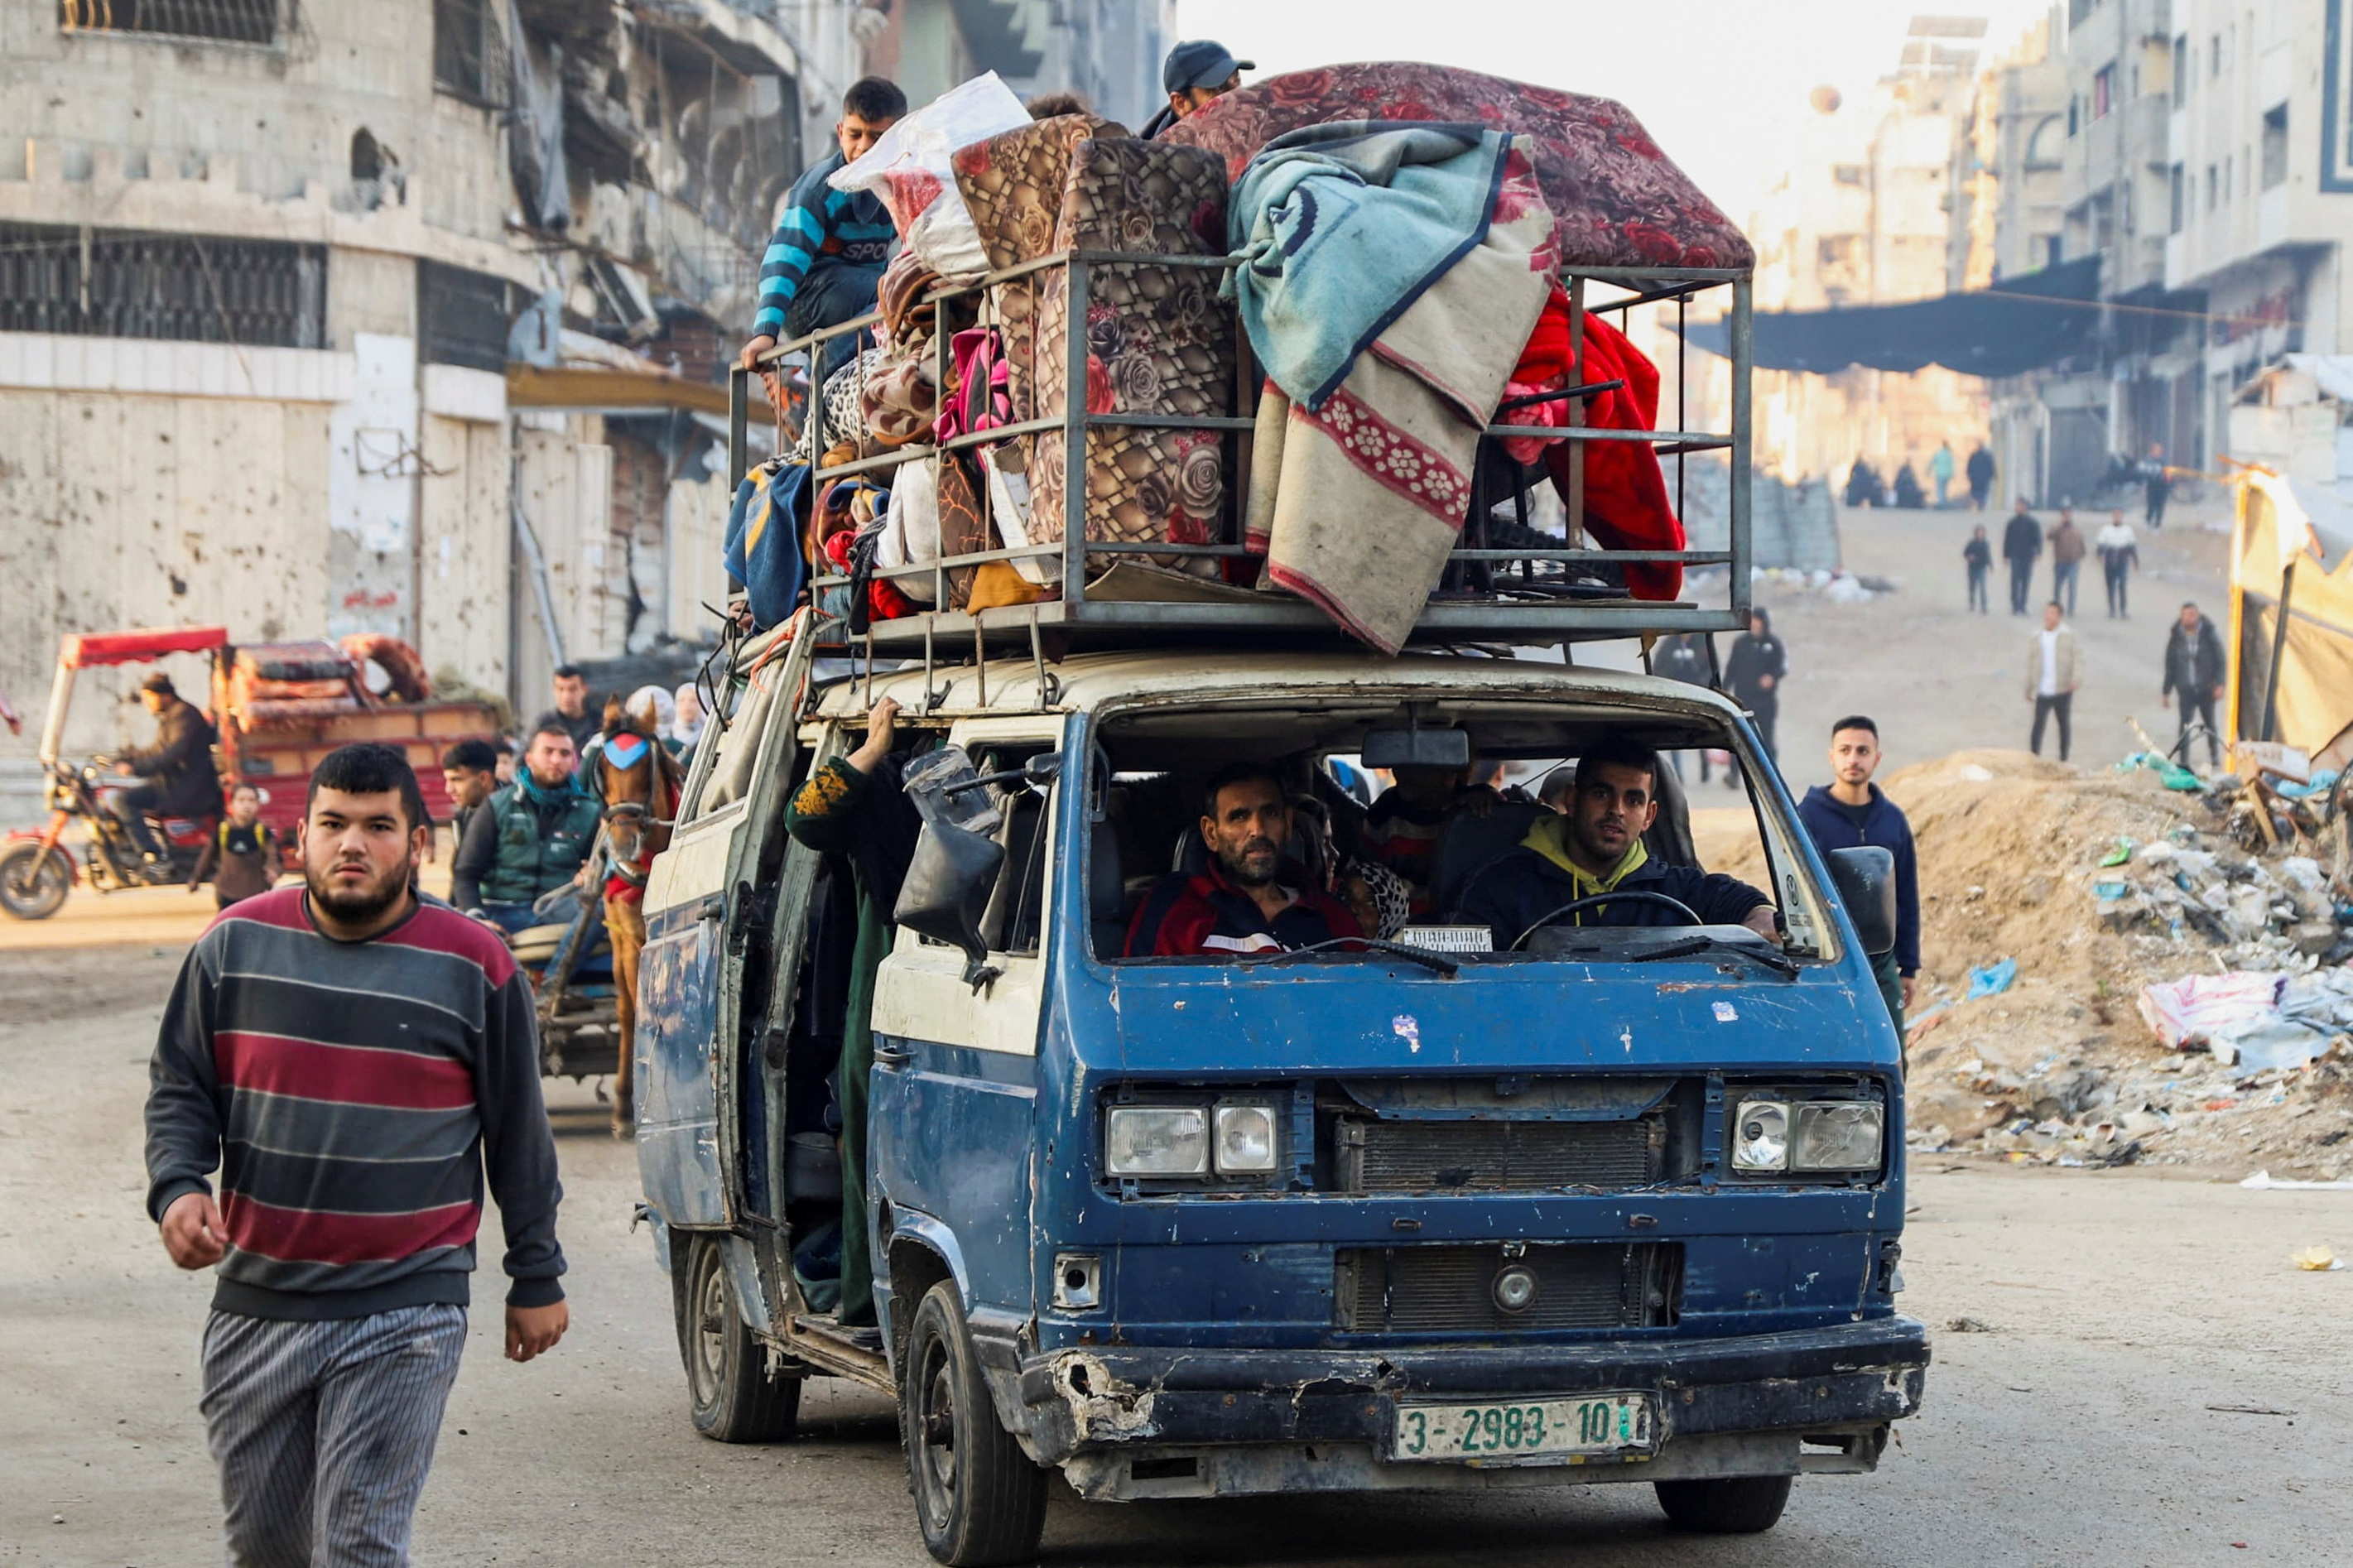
(2116, 970)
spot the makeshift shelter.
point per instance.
(2290, 547)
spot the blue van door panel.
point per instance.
(949, 1134)
(677, 1106)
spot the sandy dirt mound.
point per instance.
(2061, 1067)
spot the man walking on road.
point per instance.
(1851, 810)
(2021, 546)
(351, 1058)
(2194, 667)
(2119, 553)
(2067, 553)
(1940, 469)
(1977, 556)
(2156, 485)
(2051, 677)
(1980, 475)
(1754, 672)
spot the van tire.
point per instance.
(1738, 1505)
(732, 1397)
(979, 1500)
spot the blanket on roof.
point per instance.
(1356, 504)
(1343, 226)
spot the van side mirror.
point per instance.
(1863, 876)
(946, 892)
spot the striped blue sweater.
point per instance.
(821, 226)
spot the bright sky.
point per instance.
(1704, 77)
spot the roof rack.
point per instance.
(1533, 596)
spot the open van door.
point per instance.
(704, 903)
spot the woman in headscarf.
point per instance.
(686, 726)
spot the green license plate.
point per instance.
(1480, 1431)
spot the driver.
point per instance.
(1595, 846)
(529, 839)
(178, 768)
(1235, 904)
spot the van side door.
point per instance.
(694, 915)
(953, 1100)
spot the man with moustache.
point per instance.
(1240, 903)
(1595, 847)
(352, 1059)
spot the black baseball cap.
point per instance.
(159, 682)
(1203, 62)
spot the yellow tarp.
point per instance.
(2275, 521)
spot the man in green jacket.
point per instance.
(855, 807)
(527, 840)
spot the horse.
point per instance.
(638, 781)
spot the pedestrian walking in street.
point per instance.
(2156, 485)
(1850, 810)
(241, 860)
(2021, 546)
(2194, 667)
(1977, 556)
(1683, 656)
(1753, 673)
(1940, 469)
(2119, 550)
(1981, 474)
(351, 1058)
(2067, 552)
(2051, 677)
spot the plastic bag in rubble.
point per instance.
(1992, 980)
(908, 172)
(2212, 1009)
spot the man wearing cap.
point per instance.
(178, 767)
(1196, 74)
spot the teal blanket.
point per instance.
(1344, 225)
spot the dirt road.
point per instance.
(1939, 679)
(2157, 1385)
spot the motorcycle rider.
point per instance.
(178, 767)
(529, 839)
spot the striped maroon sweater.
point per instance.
(351, 1095)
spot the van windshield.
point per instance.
(1488, 829)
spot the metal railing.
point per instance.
(1455, 617)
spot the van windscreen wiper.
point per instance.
(1421, 955)
(1692, 946)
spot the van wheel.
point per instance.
(977, 1497)
(1739, 1505)
(730, 1396)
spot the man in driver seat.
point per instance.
(1594, 847)
(1236, 904)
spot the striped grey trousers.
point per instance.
(324, 1431)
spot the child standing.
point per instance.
(241, 858)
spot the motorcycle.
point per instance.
(37, 870)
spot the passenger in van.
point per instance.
(1405, 824)
(1596, 846)
(852, 806)
(1238, 903)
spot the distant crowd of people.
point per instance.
(1865, 486)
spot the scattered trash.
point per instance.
(1969, 1326)
(2249, 1410)
(2316, 1260)
(1976, 774)
(2264, 1182)
(1992, 980)
(2119, 855)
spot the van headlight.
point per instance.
(1157, 1140)
(1838, 1135)
(1245, 1141)
(1760, 1135)
(1808, 1135)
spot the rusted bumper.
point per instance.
(1848, 1381)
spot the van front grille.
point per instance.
(1498, 1156)
(1439, 1288)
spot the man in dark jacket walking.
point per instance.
(1851, 810)
(2021, 546)
(1980, 476)
(354, 1061)
(1753, 673)
(2194, 667)
(178, 767)
(527, 840)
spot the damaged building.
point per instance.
(411, 316)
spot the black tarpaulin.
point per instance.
(2020, 324)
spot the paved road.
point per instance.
(2080, 1431)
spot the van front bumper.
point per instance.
(1753, 1398)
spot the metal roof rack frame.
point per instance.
(1075, 622)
